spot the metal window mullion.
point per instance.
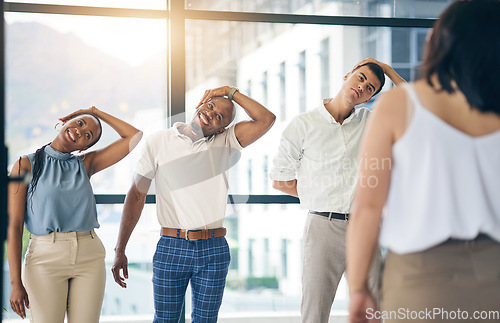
(308, 19)
(180, 13)
(232, 199)
(177, 59)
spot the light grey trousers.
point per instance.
(323, 264)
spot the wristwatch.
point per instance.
(232, 92)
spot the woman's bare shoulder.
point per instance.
(22, 165)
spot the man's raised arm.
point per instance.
(249, 131)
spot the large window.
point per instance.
(150, 61)
(56, 64)
(299, 64)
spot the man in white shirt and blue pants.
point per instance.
(317, 162)
(189, 163)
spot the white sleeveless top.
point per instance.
(444, 184)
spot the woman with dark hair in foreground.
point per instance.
(441, 221)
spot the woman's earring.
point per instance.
(58, 124)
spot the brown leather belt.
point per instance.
(193, 235)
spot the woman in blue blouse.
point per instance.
(63, 269)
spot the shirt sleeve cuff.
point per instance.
(143, 173)
(282, 175)
(234, 142)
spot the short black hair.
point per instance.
(464, 49)
(379, 73)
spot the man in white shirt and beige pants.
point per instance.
(317, 162)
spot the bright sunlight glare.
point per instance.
(132, 40)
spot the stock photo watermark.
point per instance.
(435, 313)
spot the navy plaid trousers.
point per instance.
(176, 262)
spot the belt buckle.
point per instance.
(346, 217)
(187, 235)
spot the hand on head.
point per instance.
(209, 94)
(369, 60)
(70, 116)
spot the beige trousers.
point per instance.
(65, 272)
(323, 264)
(453, 282)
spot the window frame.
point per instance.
(175, 17)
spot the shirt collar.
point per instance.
(325, 114)
(57, 154)
(175, 130)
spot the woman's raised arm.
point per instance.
(98, 160)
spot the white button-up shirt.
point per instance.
(322, 155)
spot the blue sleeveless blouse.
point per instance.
(63, 200)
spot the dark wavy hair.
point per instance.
(37, 167)
(464, 49)
(379, 73)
